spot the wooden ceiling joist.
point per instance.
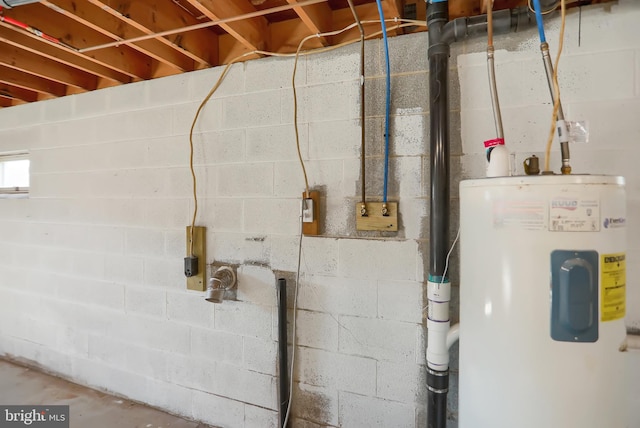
(15, 37)
(18, 93)
(101, 21)
(395, 8)
(101, 43)
(151, 17)
(316, 17)
(252, 33)
(5, 102)
(27, 62)
(123, 59)
(366, 12)
(30, 82)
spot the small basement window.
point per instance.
(14, 173)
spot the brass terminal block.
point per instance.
(379, 216)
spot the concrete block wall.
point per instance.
(91, 283)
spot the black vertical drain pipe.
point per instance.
(283, 372)
(438, 55)
(441, 34)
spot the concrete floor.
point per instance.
(88, 407)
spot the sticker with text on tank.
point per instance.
(613, 286)
(519, 214)
(574, 214)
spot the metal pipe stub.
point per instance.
(283, 373)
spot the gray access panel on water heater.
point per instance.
(574, 296)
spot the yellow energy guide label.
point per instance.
(613, 282)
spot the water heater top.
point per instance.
(553, 180)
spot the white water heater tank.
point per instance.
(542, 302)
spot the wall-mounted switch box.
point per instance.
(196, 281)
(311, 213)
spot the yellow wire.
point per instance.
(556, 89)
(295, 116)
(489, 6)
(193, 125)
(400, 23)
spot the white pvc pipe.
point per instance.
(453, 336)
(437, 352)
(438, 295)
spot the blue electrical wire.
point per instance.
(387, 102)
(538, 10)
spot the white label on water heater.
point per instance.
(519, 214)
(573, 214)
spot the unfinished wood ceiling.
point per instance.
(54, 48)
